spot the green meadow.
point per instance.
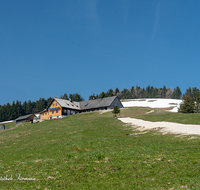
(97, 151)
(185, 118)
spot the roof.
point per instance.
(68, 104)
(43, 111)
(84, 105)
(24, 117)
(97, 103)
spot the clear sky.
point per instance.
(51, 47)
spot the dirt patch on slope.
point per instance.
(164, 127)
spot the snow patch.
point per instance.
(153, 103)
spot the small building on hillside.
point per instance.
(25, 118)
(59, 108)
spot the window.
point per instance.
(53, 105)
(56, 104)
(52, 111)
(56, 111)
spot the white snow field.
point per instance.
(153, 103)
(164, 127)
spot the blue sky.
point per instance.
(50, 47)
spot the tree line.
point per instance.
(16, 109)
(138, 92)
(191, 101)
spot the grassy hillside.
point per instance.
(96, 151)
(190, 118)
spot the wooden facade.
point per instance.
(53, 111)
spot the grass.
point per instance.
(97, 151)
(193, 118)
(134, 112)
(9, 125)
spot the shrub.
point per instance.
(116, 110)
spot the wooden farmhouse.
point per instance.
(59, 108)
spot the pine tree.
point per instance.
(176, 93)
(148, 92)
(133, 92)
(33, 107)
(92, 97)
(197, 103)
(126, 94)
(196, 97)
(110, 92)
(28, 107)
(189, 92)
(116, 110)
(76, 97)
(13, 111)
(1, 113)
(65, 97)
(49, 101)
(163, 92)
(116, 91)
(169, 93)
(8, 111)
(102, 95)
(24, 108)
(188, 105)
(18, 108)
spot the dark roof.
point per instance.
(23, 117)
(97, 103)
(84, 105)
